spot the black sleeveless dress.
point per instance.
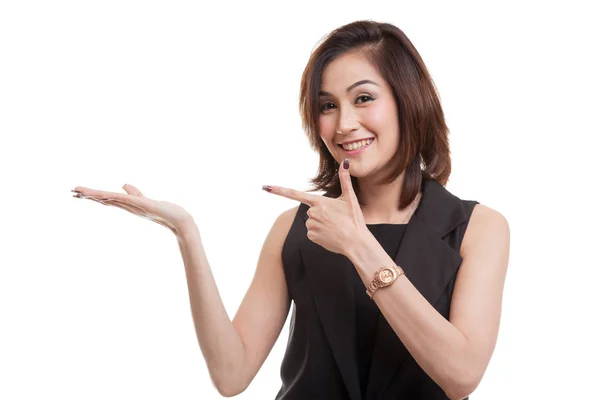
(340, 347)
(367, 312)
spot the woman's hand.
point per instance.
(335, 224)
(162, 212)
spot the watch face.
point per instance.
(387, 275)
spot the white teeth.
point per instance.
(357, 145)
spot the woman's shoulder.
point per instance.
(286, 218)
(485, 221)
(481, 211)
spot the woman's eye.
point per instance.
(364, 96)
(324, 106)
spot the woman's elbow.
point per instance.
(229, 391)
(463, 386)
(228, 387)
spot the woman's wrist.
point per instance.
(186, 228)
(368, 256)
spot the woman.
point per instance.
(396, 283)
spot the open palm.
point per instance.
(162, 212)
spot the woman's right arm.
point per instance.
(235, 350)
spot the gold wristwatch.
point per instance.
(384, 277)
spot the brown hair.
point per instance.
(424, 149)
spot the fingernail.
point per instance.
(267, 188)
(346, 163)
(75, 191)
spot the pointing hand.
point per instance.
(333, 223)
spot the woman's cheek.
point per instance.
(326, 131)
(377, 116)
(325, 125)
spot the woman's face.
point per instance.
(350, 111)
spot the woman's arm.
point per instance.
(234, 351)
(453, 353)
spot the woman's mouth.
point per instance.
(357, 147)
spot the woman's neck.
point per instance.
(381, 202)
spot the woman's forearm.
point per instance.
(437, 346)
(220, 343)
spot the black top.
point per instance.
(367, 312)
(324, 354)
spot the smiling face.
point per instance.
(357, 101)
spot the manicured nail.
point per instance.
(75, 191)
(346, 163)
(267, 188)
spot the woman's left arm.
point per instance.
(454, 353)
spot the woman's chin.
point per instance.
(359, 171)
(358, 168)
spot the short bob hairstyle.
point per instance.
(424, 149)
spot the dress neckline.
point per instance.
(386, 224)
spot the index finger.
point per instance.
(105, 195)
(306, 198)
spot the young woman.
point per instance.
(396, 283)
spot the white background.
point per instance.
(197, 104)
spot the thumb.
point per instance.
(130, 189)
(346, 181)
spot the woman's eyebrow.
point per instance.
(364, 81)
